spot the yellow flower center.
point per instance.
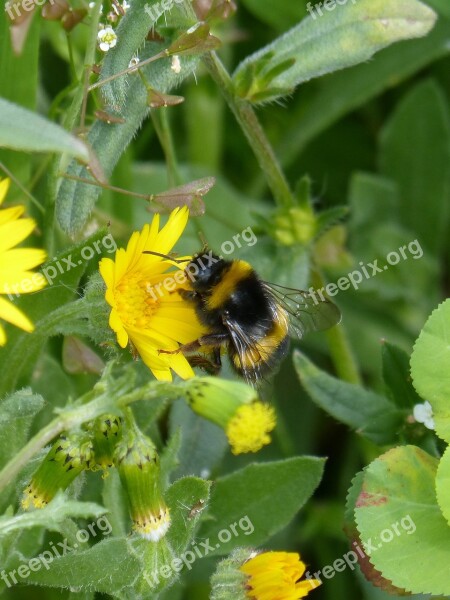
(33, 497)
(134, 303)
(248, 430)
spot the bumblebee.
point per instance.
(251, 318)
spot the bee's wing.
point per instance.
(306, 313)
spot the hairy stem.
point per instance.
(255, 134)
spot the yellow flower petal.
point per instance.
(15, 232)
(4, 187)
(11, 214)
(2, 336)
(16, 276)
(21, 259)
(10, 313)
(276, 575)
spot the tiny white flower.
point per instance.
(134, 62)
(125, 5)
(107, 38)
(423, 413)
(176, 64)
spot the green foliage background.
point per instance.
(375, 139)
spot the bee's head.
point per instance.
(205, 270)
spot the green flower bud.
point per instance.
(235, 407)
(139, 470)
(107, 432)
(228, 582)
(252, 575)
(68, 457)
(295, 226)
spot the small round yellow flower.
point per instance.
(276, 576)
(248, 430)
(16, 276)
(144, 311)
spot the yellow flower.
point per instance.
(276, 576)
(144, 311)
(15, 263)
(234, 406)
(248, 430)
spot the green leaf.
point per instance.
(118, 564)
(429, 367)
(169, 457)
(187, 499)
(131, 35)
(370, 414)
(19, 84)
(280, 15)
(51, 516)
(352, 496)
(328, 42)
(258, 501)
(443, 485)
(17, 412)
(75, 199)
(397, 377)
(21, 129)
(203, 444)
(327, 100)
(376, 230)
(418, 160)
(405, 535)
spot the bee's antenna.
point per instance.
(166, 256)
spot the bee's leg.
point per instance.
(213, 339)
(204, 363)
(188, 295)
(216, 357)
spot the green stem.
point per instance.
(173, 173)
(340, 350)
(342, 355)
(250, 125)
